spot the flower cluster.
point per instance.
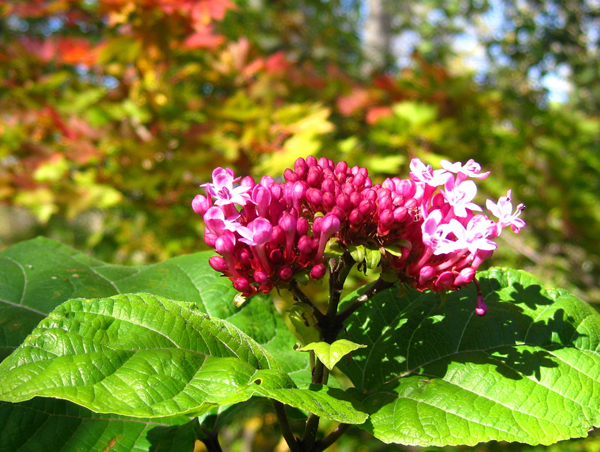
(426, 227)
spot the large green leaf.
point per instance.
(58, 425)
(528, 371)
(146, 355)
(137, 355)
(37, 275)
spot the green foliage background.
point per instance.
(110, 118)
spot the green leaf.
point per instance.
(357, 252)
(330, 354)
(528, 371)
(54, 425)
(37, 275)
(372, 257)
(137, 355)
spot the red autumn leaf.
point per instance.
(204, 40)
(376, 113)
(357, 99)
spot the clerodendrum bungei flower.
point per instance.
(430, 233)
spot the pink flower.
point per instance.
(503, 210)
(223, 191)
(419, 172)
(470, 169)
(258, 232)
(217, 223)
(460, 195)
(472, 238)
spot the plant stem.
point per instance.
(301, 296)
(209, 438)
(284, 424)
(332, 437)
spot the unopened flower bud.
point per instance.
(317, 272)
(242, 285)
(480, 306)
(386, 218)
(218, 264)
(225, 243)
(311, 160)
(260, 277)
(286, 273)
(343, 202)
(302, 226)
(400, 214)
(328, 186)
(276, 256)
(328, 199)
(314, 196)
(341, 167)
(290, 176)
(356, 218)
(444, 281)
(465, 276)
(426, 273)
(201, 204)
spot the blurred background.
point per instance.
(112, 112)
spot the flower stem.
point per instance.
(332, 437)
(284, 424)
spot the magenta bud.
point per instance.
(248, 181)
(355, 198)
(305, 245)
(356, 218)
(324, 162)
(366, 207)
(341, 167)
(243, 256)
(406, 188)
(389, 184)
(328, 199)
(300, 165)
(369, 194)
(290, 176)
(316, 227)
(219, 264)
(287, 222)
(411, 203)
(359, 180)
(266, 181)
(276, 256)
(480, 306)
(331, 223)
(343, 202)
(311, 160)
(400, 214)
(328, 185)
(386, 218)
(445, 280)
(242, 285)
(286, 273)
(210, 238)
(426, 273)
(340, 213)
(385, 203)
(302, 226)
(267, 286)
(465, 276)
(260, 277)
(225, 243)
(317, 272)
(299, 190)
(314, 196)
(201, 204)
(313, 179)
